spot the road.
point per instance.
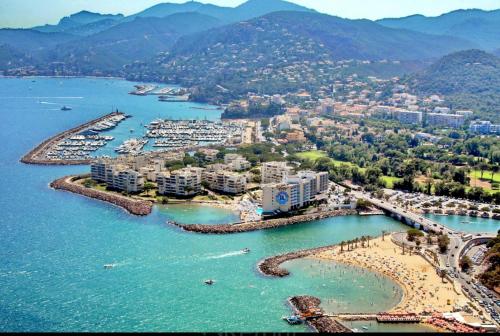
(449, 261)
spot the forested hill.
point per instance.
(469, 79)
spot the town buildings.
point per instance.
(117, 176)
(445, 120)
(183, 182)
(484, 127)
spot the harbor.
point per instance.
(74, 146)
(174, 134)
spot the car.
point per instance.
(456, 246)
(447, 265)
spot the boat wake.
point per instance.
(226, 255)
(70, 97)
(48, 103)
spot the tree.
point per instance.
(412, 234)
(465, 263)
(383, 235)
(443, 242)
(148, 186)
(342, 243)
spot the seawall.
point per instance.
(37, 154)
(135, 207)
(260, 225)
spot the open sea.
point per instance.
(53, 244)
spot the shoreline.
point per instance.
(382, 257)
(134, 207)
(32, 157)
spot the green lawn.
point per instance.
(312, 155)
(486, 176)
(389, 181)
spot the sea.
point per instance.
(54, 245)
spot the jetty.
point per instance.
(143, 90)
(308, 308)
(40, 154)
(272, 266)
(262, 224)
(135, 207)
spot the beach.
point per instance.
(423, 287)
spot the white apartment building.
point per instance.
(296, 192)
(407, 117)
(446, 120)
(183, 182)
(225, 181)
(275, 172)
(236, 162)
(117, 176)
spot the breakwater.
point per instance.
(38, 154)
(309, 307)
(272, 266)
(135, 207)
(260, 225)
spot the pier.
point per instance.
(308, 308)
(39, 155)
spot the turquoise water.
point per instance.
(468, 224)
(198, 214)
(54, 244)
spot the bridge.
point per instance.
(407, 217)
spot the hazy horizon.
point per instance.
(29, 13)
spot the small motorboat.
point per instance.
(246, 250)
(66, 108)
(364, 327)
(109, 266)
(209, 282)
(294, 319)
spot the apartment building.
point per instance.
(183, 182)
(275, 172)
(407, 117)
(117, 176)
(236, 162)
(445, 120)
(225, 181)
(484, 127)
(295, 192)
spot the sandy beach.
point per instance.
(422, 286)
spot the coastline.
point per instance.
(32, 157)
(134, 207)
(408, 271)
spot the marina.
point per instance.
(187, 133)
(76, 145)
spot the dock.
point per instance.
(40, 154)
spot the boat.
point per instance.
(209, 282)
(294, 319)
(109, 266)
(66, 108)
(246, 250)
(364, 327)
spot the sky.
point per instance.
(28, 13)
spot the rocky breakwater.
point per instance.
(272, 266)
(135, 207)
(261, 225)
(38, 154)
(309, 308)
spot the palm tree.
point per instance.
(383, 235)
(368, 240)
(363, 241)
(342, 243)
(356, 240)
(404, 245)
